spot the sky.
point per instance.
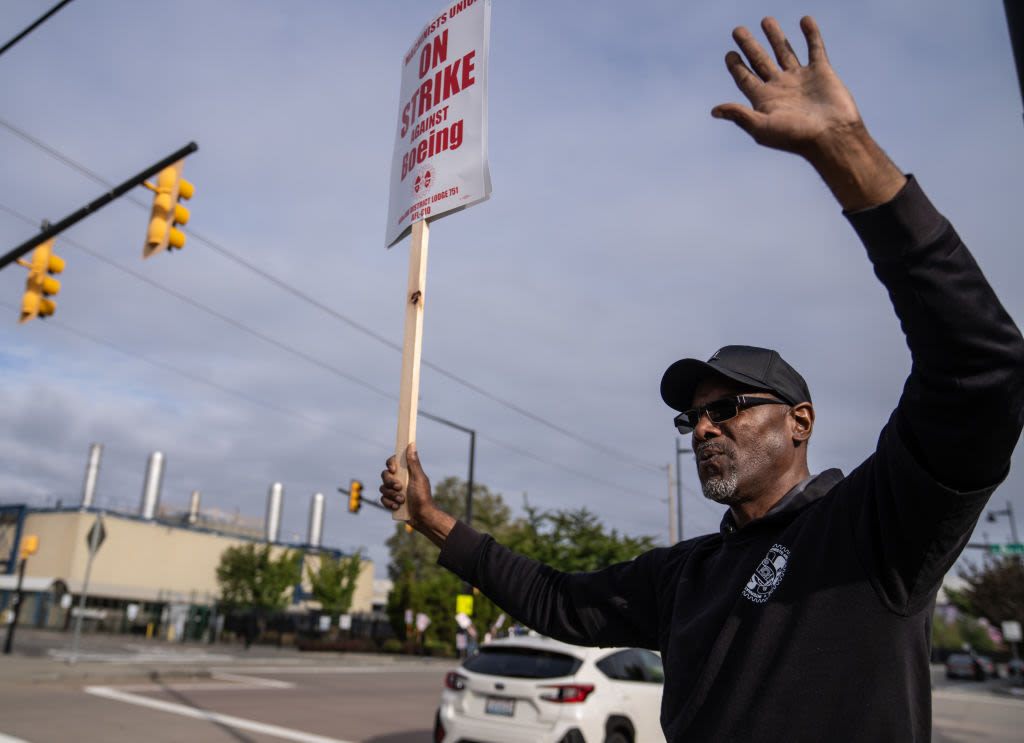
(626, 229)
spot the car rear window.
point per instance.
(529, 663)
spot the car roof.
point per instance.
(541, 642)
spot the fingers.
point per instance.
(391, 488)
(394, 492)
(412, 458)
(758, 58)
(780, 44)
(745, 80)
(815, 45)
(744, 117)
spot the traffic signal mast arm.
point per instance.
(56, 229)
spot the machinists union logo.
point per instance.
(768, 575)
(424, 177)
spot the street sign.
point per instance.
(1011, 631)
(1006, 549)
(96, 535)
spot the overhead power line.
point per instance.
(341, 317)
(284, 347)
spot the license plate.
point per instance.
(500, 706)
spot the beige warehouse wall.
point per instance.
(141, 560)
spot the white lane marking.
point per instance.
(241, 670)
(239, 678)
(251, 681)
(9, 739)
(229, 720)
(148, 657)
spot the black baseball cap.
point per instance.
(761, 368)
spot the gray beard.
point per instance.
(721, 489)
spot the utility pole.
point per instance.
(1008, 513)
(679, 486)
(672, 534)
(17, 608)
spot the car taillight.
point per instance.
(567, 693)
(455, 681)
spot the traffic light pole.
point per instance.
(17, 608)
(472, 457)
(95, 205)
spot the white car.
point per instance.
(538, 690)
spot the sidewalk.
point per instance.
(42, 656)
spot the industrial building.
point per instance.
(152, 572)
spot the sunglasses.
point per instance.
(721, 410)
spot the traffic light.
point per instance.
(355, 496)
(166, 211)
(29, 545)
(40, 284)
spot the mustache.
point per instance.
(720, 447)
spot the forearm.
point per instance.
(856, 170)
(435, 525)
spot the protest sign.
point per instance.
(439, 166)
(439, 163)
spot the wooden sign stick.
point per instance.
(411, 345)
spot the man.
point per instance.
(808, 616)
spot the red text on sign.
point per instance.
(438, 140)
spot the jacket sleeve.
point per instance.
(615, 606)
(949, 442)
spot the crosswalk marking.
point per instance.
(239, 723)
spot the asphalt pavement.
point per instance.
(44, 656)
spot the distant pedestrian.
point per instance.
(252, 628)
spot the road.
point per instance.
(164, 694)
(970, 712)
(314, 704)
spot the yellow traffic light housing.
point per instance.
(29, 545)
(355, 496)
(40, 284)
(166, 211)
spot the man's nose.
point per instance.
(705, 429)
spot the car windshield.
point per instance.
(522, 662)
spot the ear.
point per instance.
(802, 422)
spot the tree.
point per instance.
(421, 585)
(994, 590)
(334, 583)
(952, 630)
(572, 540)
(249, 577)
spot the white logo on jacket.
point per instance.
(768, 575)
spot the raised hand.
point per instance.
(792, 106)
(806, 109)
